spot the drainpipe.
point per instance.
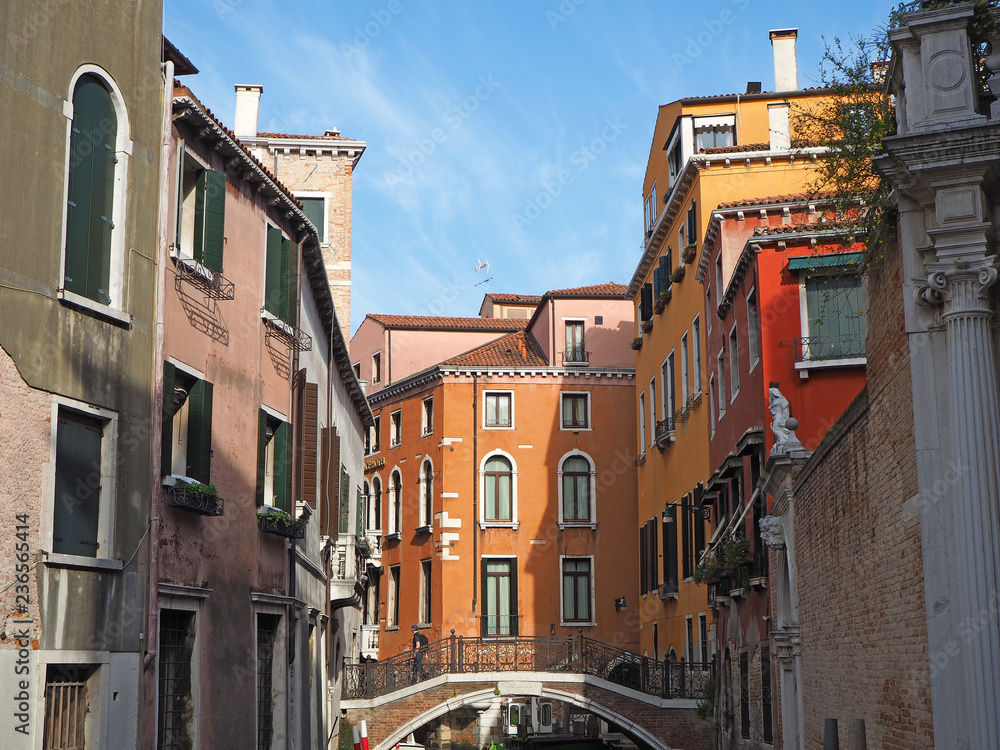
(475, 493)
(156, 418)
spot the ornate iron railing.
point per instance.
(576, 355)
(578, 655)
(824, 348)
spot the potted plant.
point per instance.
(707, 571)
(275, 521)
(678, 274)
(637, 343)
(662, 300)
(196, 497)
(647, 326)
(733, 552)
(690, 253)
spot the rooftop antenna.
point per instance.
(484, 265)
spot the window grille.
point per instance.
(267, 630)
(174, 681)
(65, 708)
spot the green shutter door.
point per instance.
(272, 272)
(78, 485)
(359, 524)
(167, 429)
(199, 446)
(345, 501)
(210, 218)
(313, 208)
(283, 467)
(261, 453)
(293, 284)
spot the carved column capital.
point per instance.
(772, 532)
(960, 285)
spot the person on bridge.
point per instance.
(419, 650)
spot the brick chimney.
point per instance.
(247, 107)
(786, 68)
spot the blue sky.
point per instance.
(473, 111)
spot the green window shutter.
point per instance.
(313, 208)
(210, 218)
(167, 429)
(261, 454)
(283, 467)
(180, 194)
(78, 484)
(345, 500)
(359, 521)
(199, 450)
(293, 284)
(272, 272)
(91, 191)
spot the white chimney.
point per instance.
(247, 107)
(786, 69)
(779, 126)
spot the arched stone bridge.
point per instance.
(653, 703)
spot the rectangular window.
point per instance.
(174, 700)
(575, 352)
(714, 132)
(696, 359)
(703, 638)
(281, 277)
(692, 225)
(376, 367)
(753, 329)
(392, 609)
(427, 417)
(734, 364)
(395, 428)
(687, 542)
(669, 388)
(426, 496)
(652, 408)
(79, 485)
(274, 462)
(681, 244)
(642, 423)
(674, 162)
(744, 696)
(499, 409)
(67, 695)
(670, 579)
(709, 312)
(711, 403)
(499, 576)
(576, 589)
(575, 411)
(689, 629)
(315, 210)
(267, 636)
(201, 216)
(719, 291)
(685, 371)
(344, 504)
(186, 443)
(765, 694)
(373, 435)
(651, 208)
(722, 383)
(425, 592)
(835, 325)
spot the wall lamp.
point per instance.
(620, 604)
(669, 513)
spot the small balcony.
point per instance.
(369, 642)
(576, 356)
(499, 626)
(829, 351)
(664, 434)
(668, 590)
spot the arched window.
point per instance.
(90, 200)
(396, 498)
(426, 493)
(576, 471)
(498, 494)
(376, 504)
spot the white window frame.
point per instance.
(389, 492)
(669, 369)
(689, 637)
(513, 523)
(426, 581)
(278, 665)
(498, 392)
(374, 440)
(123, 151)
(711, 404)
(106, 511)
(393, 596)
(593, 593)
(373, 517)
(642, 424)
(97, 726)
(592, 523)
(589, 425)
(324, 239)
(180, 437)
(685, 370)
(426, 410)
(734, 363)
(753, 332)
(395, 428)
(806, 363)
(426, 516)
(696, 356)
(184, 601)
(376, 370)
(652, 408)
(721, 395)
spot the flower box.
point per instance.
(202, 499)
(278, 522)
(678, 274)
(637, 343)
(647, 326)
(690, 253)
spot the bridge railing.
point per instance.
(461, 655)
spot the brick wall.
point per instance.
(859, 558)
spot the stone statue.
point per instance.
(784, 424)
(772, 532)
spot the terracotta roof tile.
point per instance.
(310, 137)
(772, 200)
(514, 350)
(826, 226)
(532, 299)
(744, 147)
(610, 289)
(444, 323)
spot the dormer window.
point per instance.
(714, 132)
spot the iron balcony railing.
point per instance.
(576, 655)
(826, 348)
(575, 355)
(498, 626)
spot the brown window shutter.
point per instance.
(329, 479)
(310, 436)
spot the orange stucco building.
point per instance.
(705, 151)
(500, 493)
